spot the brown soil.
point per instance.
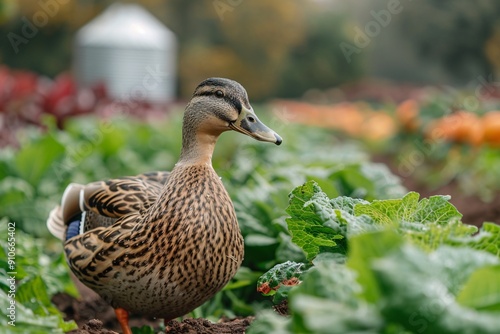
(187, 326)
(94, 316)
(282, 308)
(226, 326)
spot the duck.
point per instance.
(162, 243)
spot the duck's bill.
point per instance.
(249, 124)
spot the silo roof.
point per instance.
(125, 26)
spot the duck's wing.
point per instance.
(100, 204)
(159, 177)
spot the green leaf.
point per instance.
(488, 239)
(417, 295)
(344, 211)
(390, 286)
(36, 257)
(108, 138)
(143, 330)
(281, 274)
(428, 223)
(346, 204)
(38, 277)
(27, 321)
(269, 322)
(14, 191)
(436, 209)
(32, 293)
(312, 223)
(457, 264)
(363, 250)
(385, 184)
(430, 236)
(354, 183)
(326, 302)
(35, 158)
(258, 240)
(482, 291)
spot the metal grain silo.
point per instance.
(129, 50)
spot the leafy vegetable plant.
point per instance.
(388, 266)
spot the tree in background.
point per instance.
(37, 35)
(248, 42)
(436, 41)
(318, 61)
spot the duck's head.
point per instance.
(219, 105)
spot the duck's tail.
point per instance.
(55, 223)
(61, 214)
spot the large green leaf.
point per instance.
(363, 250)
(327, 302)
(482, 290)
(35, 158)
(488, 239)
(436, 209)
(385, 184)
(310, 223)
(429, 222)
(417, 293)
(269, 322)
(457, 264)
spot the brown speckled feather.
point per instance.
(118, 197)
(105, 201)
(157, 263)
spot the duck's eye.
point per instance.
(219, 93)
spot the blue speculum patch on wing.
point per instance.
(74, 227)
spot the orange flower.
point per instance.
(407, 114)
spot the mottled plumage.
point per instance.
(163, 243)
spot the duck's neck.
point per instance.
(197, 147)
